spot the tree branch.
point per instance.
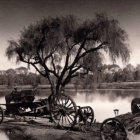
(76, 69)
(77, 55)
(53, 64)
(45, 66)
(38, 70)
(49, 55)
(66, 67)
(93, 50)
(59, 82)
(77, 58)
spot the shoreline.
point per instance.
(45, 89)
(119, 85)
(113, 85)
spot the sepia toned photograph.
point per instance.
(69, 70)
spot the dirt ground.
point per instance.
(42, 129)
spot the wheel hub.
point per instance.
(63, 111)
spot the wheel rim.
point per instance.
(88, 115)
(63, 111)
(113, 129)
(1, 115)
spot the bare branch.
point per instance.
(49, 55)
(37, 69)
(77, 55)
(77, 68)
(53, 63)
(74, 75)
(45, 66)
(93, 49)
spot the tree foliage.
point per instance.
(62, 46)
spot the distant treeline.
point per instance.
(104, 74)
(20, 76)
(113, 73)
(110, 74)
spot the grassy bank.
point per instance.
(119, 85)
(45, 89)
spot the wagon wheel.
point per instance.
(63, 110)
(86, 115)
(1, 115)
(113, 129)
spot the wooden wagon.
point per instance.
(60, 109)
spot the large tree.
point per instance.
(59, 47)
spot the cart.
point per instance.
(60, 109)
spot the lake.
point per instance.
(105, 101)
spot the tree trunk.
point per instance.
(59, 89)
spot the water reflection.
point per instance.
(104, 102)
(3, 136)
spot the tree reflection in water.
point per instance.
(3, 136)
(105, 101)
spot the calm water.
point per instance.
(3, 136)
(104, 102)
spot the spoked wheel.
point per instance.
(86, 114)
(63, 111)
(113, 129)
(1, 115)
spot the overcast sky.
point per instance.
(16, 14)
